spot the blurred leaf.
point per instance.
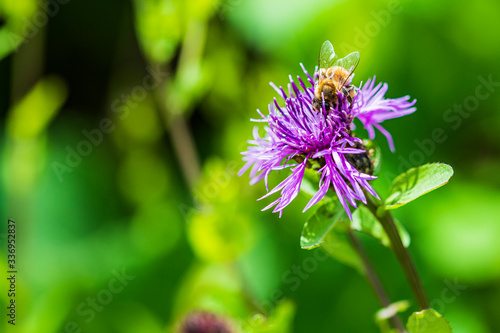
(383, 315)
(135, 317)
(266, 253)
(201, 9)
(220, 237)
(26, 124)
(461, 232)
(17, 25)
(189, 85)
(9, 41)
(403, 233)
(417, 182)
(364, 221)
(36, 320)
(142, 125)
(220, 229)
(213, 287)
(319, 224)
(428, 321)
(279, 31)
(392, 309)
(18, 9)
(339, 247)
(34, 112)
(144, 175)
(155, 229)
(225, 62)
(280, 320)
(159, 26)
(468, 319)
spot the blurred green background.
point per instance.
(122, 124)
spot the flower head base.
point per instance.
(204, 322)
(320, 139)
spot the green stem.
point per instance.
(173, 110)
(385, 218)
(374, 281)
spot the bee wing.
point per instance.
(349, 62)
(327, 55)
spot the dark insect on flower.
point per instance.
(204, 322)
(301, 131)
(363, 162)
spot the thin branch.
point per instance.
(374, 281)
(387, 221)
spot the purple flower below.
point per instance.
(297, 132)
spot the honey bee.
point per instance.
(334, 76)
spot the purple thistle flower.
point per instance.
(371, 108)
(297, 132)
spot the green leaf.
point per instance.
(403, 233)
(428, 321)
(383, 315)
(392, 309)
(417, 182)
(338, 246)
(364, 221)
(328, 227)
(319, 224)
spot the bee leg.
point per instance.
(349, 98)
(350, 93)
(317, 104)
